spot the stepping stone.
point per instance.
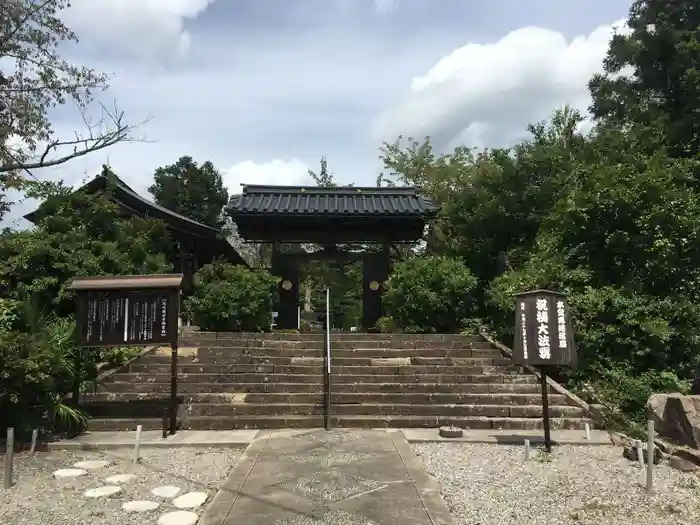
(140, 506)
(91, 465)
(191, 500)
(102, 492)
(166, 492)
(179, 517)
(119, 478)
(69, 473)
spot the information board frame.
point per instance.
(544, 338)
(131, 310)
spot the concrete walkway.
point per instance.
(341, 477)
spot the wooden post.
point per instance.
(35, 437)
(650, 456)
(137, 446)
(9, 457)
(545, 411)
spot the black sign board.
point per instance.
(130, 310)
(130, 318)
(127, 310)
(543, 331)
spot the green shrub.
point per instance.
(630, 345)
(116, 357)
(232, 298)
(9, 314)
(385, 325)
(430, 295)
(37, 371)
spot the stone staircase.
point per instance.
(238, 381)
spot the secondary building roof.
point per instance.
(133, 203)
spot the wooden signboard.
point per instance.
(543, 331)
(127, 310)
(131, 310)
(544, 338)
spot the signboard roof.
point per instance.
(127, 282)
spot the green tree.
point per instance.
(195, 191)
(77, 234)
(34, 78)
(323, 179)
(662, 93)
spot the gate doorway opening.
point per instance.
(344, 279)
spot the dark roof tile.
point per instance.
(345, 200)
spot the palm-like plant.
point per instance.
(37, 371)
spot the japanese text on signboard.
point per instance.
(128, 318)
(543, 333)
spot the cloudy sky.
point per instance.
(264, 88)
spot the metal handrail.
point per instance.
(327, 374)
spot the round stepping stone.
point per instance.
(102, 492)
(91, 465)
(451, 432)
(119, 478)
(191, 500)
(178, 517)
(69, 473)
(167, 491)
(140, 506)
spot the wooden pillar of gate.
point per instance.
(286, 267)
(375, 272)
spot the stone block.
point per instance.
(676, 417)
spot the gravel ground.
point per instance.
(39, 499)
(494, 485)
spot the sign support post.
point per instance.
(131, 310)
(173, 387)
(545, 410)
(543, 339)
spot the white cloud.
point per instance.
(386, 6)
(486, 93)
(276, 172)
(144, 28)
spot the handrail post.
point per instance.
(327, 368)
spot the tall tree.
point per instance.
(323, 179)
(197, 192)
(34, 78)
(652, 75)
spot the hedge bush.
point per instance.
(430, 295)
(232, 298)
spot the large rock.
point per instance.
(676, 417)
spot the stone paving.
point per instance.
(190, 500)
(339, 477)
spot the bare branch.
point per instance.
(108, 131)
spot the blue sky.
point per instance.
(264, 88)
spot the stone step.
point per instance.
(155, 410)
(390, 409)
(335, 344)
(320, 336)
(228, 370)
(210, 354)
(477, 377)
(316, 421)
(188, 364)
(493, 387)
(418, 398)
